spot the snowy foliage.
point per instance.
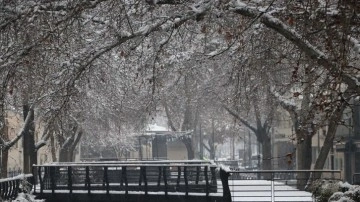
(108, 67)
(324, 191)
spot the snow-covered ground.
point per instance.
(246, 191)
(262, 190)
(26, 198)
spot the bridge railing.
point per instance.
(10, 187)
(126, 177)
(271, 185)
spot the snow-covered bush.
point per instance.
(322, 190)
(331, 191)
(348, 193)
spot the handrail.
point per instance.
(268, 177)
(199, 178)
(128, 165)
(282, 171)
(136, 162)
(9, 187)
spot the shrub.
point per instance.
(322, 190)
(351, 193)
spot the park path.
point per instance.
(265, 191)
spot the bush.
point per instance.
(328, 191)
(350, 193)
(322, 190)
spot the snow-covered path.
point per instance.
(265, 191)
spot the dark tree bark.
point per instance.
(4, 151)
(52, 146)
(66, 153)
(329, 140)
(303, 159)
(262, 135)
(29, 152)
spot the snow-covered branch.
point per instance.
(277, 25)
(355, 44)
(25, 127)
(243, 121)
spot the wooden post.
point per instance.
(224, 176)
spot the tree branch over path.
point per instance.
(243, 121)
(293, 36)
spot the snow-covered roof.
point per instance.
(156, 128)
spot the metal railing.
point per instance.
(141, 177)
(273, 185)
(10, 187)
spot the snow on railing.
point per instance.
(10, 187)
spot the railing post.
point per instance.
(197, 174)
(6, 189)
(178, 177)
(206, 180)
(1, 190)
(34, 178)
(16, 187)
(186, 182)
(87, 179)
(213, 175)
(124, 177)
(52, 179)
(106, 179)
(41, 180)
(165, 180)
(143, 173)
(224, 176)
(159, 177)
(272, 187)
(69, 172)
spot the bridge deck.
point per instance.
(123, 178)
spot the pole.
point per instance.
(233, 145)
(201, 144)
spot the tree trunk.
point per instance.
(303, 159)
(52, 147)
(328, 142)
(64, 155)
(4, 162)
(189, 147)
(4, 150)
(29, 152)
(266, 154)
